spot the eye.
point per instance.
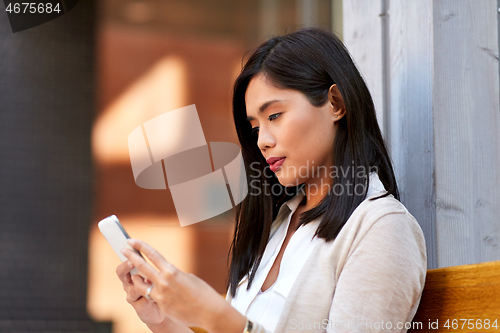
(274, 116)
(255, 130)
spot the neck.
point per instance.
(315, 190)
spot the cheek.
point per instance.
(294, 137)
(298, 129)
(308, 140)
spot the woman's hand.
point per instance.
(147, 310)
(178, 295)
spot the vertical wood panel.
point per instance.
(362, 36)
(467, 123)
(411, 128)
(444, 116)
(409, 94)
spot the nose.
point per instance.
(266, 139)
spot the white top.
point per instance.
(265, 307)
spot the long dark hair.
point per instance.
(309, 61)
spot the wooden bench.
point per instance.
(460, 299)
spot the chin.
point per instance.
(288, 182)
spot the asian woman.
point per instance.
(321, 242)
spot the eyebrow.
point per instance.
(264, 106)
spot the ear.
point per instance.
(336, 102)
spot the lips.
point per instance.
(275, 162)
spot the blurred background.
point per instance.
(72, 90)
(153, 57)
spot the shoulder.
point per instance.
(376, 223)
(374, 210)
(379, 242)
(381, 205)
(388, 219)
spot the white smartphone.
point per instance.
(117, 237)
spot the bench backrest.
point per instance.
(460, 298)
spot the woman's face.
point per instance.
(294, 136)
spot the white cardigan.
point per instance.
(370, 278)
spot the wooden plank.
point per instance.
(460, 292)
(466, 131)
(407, 113)
(444, 95)
(411, 128)
(362, 35)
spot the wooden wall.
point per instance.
(432, 67)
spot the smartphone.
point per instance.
(117, 237)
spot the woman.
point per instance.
(321, 241)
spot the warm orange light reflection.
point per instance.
(106, 297)
(160, 90)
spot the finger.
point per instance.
(134, 293)
(146, 269)
(156, 258)
(123, 272)
(142, 287)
